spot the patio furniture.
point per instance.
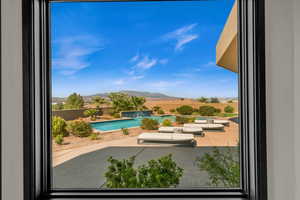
(206, 126)
(192, 130)
(167, 137)
(214, 121)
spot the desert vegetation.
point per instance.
(149, 124)
(222, 166)
(123, 174)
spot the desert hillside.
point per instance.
(166, 105)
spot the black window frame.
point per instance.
(36, 111)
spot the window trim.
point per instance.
(36, 98)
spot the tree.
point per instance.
(123, 102)
(208, 110)
(202, 100)
(98, 101)
(74, 101)
(223, 167)
(214, 100)
(185, 110)
(138, 102)
(120, 101)
(91, 113)
(228, 109)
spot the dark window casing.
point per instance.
(36, 114)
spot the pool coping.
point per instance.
(99, 131)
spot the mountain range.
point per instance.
(150, 95)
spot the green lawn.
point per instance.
(227, 114)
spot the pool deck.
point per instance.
(78, 146)
(87, 171)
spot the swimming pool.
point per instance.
(128, 123)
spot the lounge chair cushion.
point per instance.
(166, 137)
(166, 129)
(214, 121)
(206, 126)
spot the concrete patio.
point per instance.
(87, 170)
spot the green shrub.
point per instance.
(59, 126)
(125, 131)
(182, 120)
(149, 124)
(58, 106)
(223, 168)
(228, 109)
(172, 110)
(161, 112)
(116, 115)
(59, 139)
(228, 114)
(91, 113)
(160, 173)
(208, 110)
(218, 110)
(79, 128)
(94, 136)
(191, 119)
(214, 100)
(202, 100)
(167, 122)
(230, 101)
(185, 110)
(156, 108)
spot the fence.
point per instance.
(76, 113)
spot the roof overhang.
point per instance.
(226, 50)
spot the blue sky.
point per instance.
(166, 47)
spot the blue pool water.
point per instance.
(118, 124)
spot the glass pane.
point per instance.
(145, 95)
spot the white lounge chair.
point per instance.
(192, 130)
(206, 126)
(214, 121)
(167, 137)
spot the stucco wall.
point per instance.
(282, 127)
(11, 86)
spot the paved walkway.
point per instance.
(87, 171)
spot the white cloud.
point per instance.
(142, 63)
(184, 40)
(182, 36)
(135, 58)
(70, 54)
(146, 62)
